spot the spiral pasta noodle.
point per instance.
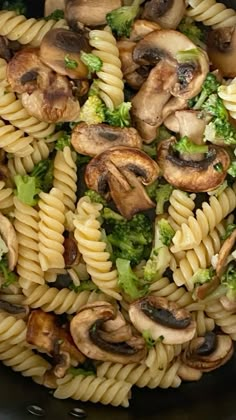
(203, 323)
(93, 249)
(24, 165)
(180, 209)
(160, 356)
(6, 198)
(12, 330)
(65, 176)
(228, 94)
(169, 290)
(14, 141)
(94, 389)
(26, 31)
(197, 228)
(50, 299)
(110, 77)
(51, 228)
(226, 320)
(211, 13)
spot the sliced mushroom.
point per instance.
(8, 234)
(62, 364)
(87, 331)
(19, 311)
(209, 352)
(224, 253)
(174, 104)
(228, 305)
(96, 138)
(136, 78)
(44, 332)
(186, 373)
(163, 319)
(221, 49)
(51, 5)
(126, 48)
(71, 253)
(5, 51)
(60, 45)
(192, 176)
(89, 12)
(119, 173)
(204, 290)
(141, 28)
(167, 13)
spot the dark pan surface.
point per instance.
(213, 398)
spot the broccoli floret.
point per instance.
(232, 169)
(166, 232)
(188, 55)
(93, 62)
(120, 116)
(130, 239)
(44, 172)
(128, 281)
(18, 6)
(203, 275)
(150, 342)
(109, 214)
(121, 20)
(70, 63)
(230, 228)
(151, 149)
(163, 194)
(152, 189)
(93, 111)
(185, 145)
(84, 285)
(214, 106)
(209, 87)
(189, 28)
(63, 141)
(56, 15)
(9, 276)
(229, 280)
(82, 160)
(95, 197)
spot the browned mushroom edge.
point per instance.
(89, 12)
(167, 13)
(221, 49)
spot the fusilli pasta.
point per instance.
(24, 165)
(204, 324)
(65, 176)
(169, 290)
(224, 319)
(6, 198)
(228, 94)
(180, 209)
(14, 141)
(211, 13)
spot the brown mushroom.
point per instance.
(8, 234)
(142, 27)
(44, 332)
(167, 13)
(61, 47)
(119, 173)
(89, 12)
(51, 5)
(173, 105)
(228, 305)
(209, 352)
(19, 311)
(71, 253)
(224, 253)
(221, 49)
(96, 138)
(192, 176)
(163, 319)
(126, 48)
(87, 331)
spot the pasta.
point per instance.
(165, 288)
(197, 228)
(204, 324)
(51, 227)
(12, 330)
(24, 165)
(228, 94)
(14, 141)
(180, 209)
(226, 320)
(211, 13)
(65, 177)
(6, 198)
(110, 76)
(93, 249)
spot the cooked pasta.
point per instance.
(12, 330)
(180, 209)
(6, 198)
(65, 176)
(26, 31)
(228, 94)
(26, 223)
(165, 288)
(93, 249)
(51, 228)
(197, 228)
(211, 13)
(110, 77)
(24, 165)
(204, 324)
(14, 141)
(160, 356)
(226, 320)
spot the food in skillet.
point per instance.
(117, 194)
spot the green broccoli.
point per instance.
(70, 63)
(62, 141)
(84, 285)
(109, 214)
(18, 6)
(210, 86)
(185, 145)
(120, 116)
(188, 55)
(189, 28)
(58, 14)
(229, 229)
(163, 194)
(128, 281)
(80, 371)
(121, 20)
(229, 280)
(151, 149)
(203, 275)
(232, 169)
(93, 62)
(9, 276)
(93, 111)
(82, 160)
(214, 106)
(130, 239)
(148, 339)
(166, 232)
(152, 189)
(95, 197)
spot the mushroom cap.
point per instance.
(87, 331)
(167, 13)
(221, 49)
(192, 176)
(163, 319)
(89, 12)
(124, 170)
(60, 43)
(8, 234)
(224, 253)
(206, 354)
(94, 139)
(142, 27)
(126, 48)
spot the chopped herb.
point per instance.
(70, 63)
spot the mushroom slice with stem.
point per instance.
(209, 352)
(8, 234)
(192, 176)
(94, 139)
(60, 50)
(87, 331)
(163, 319)
(221, 49)
(89, 12)
(51, 5)
(126, 48)
(224, 253)
(119, 173)
(167, 13)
